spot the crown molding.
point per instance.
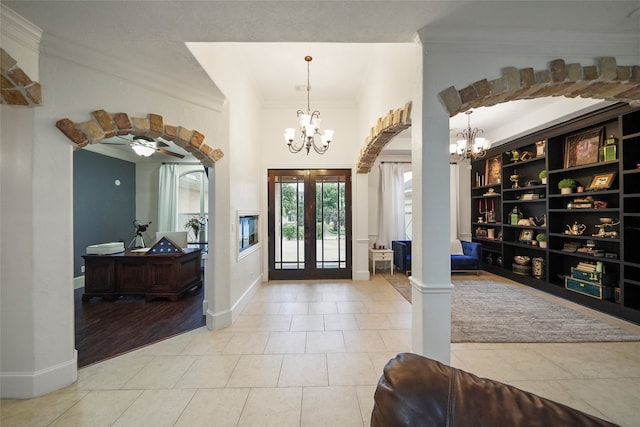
(19, 29)
(149, 78)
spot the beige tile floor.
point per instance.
(310, 354)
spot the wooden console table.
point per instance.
(136, 273)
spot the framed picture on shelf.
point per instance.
(493, 171)
(583, 148)
(526, 235)
(602, 181)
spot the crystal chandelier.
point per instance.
(469, 147)
(309, 124)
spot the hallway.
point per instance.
(309, 354)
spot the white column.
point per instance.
(217, 298)
(360, 224)
(431, 271)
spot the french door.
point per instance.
(309, 224)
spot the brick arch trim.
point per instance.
(604, 80)
(385, 129)
(104, 125)
(17, 87)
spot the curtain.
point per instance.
(391, 224)
(168, 198)
(454, 200)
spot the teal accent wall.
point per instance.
(102, 211)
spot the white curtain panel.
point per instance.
(391, 225)
(454, 200)
(168, 198)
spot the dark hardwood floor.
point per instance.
(105, 329)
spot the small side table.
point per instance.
(384, 255)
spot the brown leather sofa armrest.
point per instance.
(416, 391)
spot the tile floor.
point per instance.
(310, 354)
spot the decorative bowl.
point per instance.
(522, 259)
(606, 220)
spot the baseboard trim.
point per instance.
(26, 385)
(222, 319)
(361, 275)
(218, 320)
(244, 299)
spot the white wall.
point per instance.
(393, 80)
(238, 180)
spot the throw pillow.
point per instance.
(456, 248)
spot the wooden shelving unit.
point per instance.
(554, 213)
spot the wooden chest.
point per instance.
(589, 288)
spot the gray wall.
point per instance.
(102, 211)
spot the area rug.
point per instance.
(486, 310)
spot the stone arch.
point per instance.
(17, 87)
(104, 125)
(604, 80)
(385, 129)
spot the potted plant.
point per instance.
(566, 185)
(194, 224)
(542, 239)
(543, 176)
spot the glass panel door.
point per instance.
(309, 224)
(331, 244)
(289, 222)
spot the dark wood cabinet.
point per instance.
(135, 273)
(521, 193)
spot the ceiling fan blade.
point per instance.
(116, 143)
(169, 153)
(160, 144)
(148, 141)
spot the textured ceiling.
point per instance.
(152, 34)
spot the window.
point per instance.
(193, 203)
(408, 205)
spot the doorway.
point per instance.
(309, 223)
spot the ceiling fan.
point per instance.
(145, 146)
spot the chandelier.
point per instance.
(469, 147)
(309, 124)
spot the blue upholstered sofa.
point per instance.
(468, 260)
(402, 255)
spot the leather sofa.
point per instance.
(402, 255)
(416, 391)
(469, 260)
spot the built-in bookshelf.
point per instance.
(536, 234)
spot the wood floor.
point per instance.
(105, 329)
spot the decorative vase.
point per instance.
(566, 190)
(538, 268)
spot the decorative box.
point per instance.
(602, 279)
(588, 288)
(523, 270)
